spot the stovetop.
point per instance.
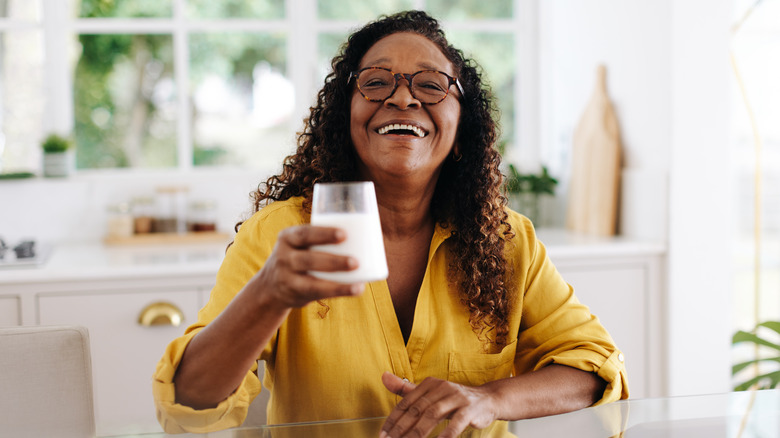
(22, 253)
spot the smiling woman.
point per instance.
(473, 322)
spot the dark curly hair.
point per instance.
(468, 198)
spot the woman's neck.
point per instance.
(405, 213)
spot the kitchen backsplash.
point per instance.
(77, 208)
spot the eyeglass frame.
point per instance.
(408, 77)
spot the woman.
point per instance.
(473, 323)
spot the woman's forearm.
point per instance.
(219, 356)
(554, 389)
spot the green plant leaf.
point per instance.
(741, 366)
(772, 325)
(743, 336)
(774, 380)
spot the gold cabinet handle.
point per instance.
(161, 313)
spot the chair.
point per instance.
(46, 382)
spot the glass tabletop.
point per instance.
(750, 414)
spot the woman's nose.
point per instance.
(402, 97)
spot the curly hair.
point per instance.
(478, 222)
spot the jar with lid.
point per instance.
(170, 210)
(143, 214)
(120, 221)
(202, 216)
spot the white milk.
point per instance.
(364, 242)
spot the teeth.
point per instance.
(396, 127)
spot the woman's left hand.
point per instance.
(432, 401)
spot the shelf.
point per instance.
(169, 238)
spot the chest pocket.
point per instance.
(474, 369)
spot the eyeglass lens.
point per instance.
(426, 86)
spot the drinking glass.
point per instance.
(352, 207)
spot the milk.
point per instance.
(364, 243)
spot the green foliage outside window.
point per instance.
(116, 115)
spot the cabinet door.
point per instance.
(616, 295)
(9, 311)
(124, 353)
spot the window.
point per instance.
(21, 82)
(177, 84)
(756, 147)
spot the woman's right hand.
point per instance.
(285, 275)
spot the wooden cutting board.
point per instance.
(594, 188)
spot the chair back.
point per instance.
(46, 382)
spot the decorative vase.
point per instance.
(57, 164)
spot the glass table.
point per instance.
(734, 415)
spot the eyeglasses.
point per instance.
(430, 87)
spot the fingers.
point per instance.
(397, 385)
(306, 236)
(432, 402)
(286, 276)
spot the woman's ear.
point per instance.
(455, 153)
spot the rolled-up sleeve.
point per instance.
(178, 418)
(557, 328)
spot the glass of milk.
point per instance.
(352, 207)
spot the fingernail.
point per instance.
(383, 434)
(357, 288)
(352, 263)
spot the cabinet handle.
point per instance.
(160, 313)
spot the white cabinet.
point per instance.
(623, 286)
(124, 353)
(9, 311)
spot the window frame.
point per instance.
(302, 28)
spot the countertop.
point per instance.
(95, 260)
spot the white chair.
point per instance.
(46, 382)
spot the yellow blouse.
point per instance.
(326, 361)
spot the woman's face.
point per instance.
(417, 154)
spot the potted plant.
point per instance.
(57, 157)
(524, 191)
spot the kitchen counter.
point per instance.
(94, 261)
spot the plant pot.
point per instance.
(57, 164)
(530, 205)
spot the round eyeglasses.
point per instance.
(430, 87)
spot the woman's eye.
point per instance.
(430, 86)
(375, 83)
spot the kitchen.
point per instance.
(671, 83)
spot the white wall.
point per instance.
(701, 206)
(668, 77)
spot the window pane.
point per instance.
(27, 10)
(359, 9)
(265, 9)
(469, 9)
(125, 102)
(494, 54)
(21, 96)
(328, 45)
(242, 99)
(124, 8)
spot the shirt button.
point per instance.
(621, 357)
